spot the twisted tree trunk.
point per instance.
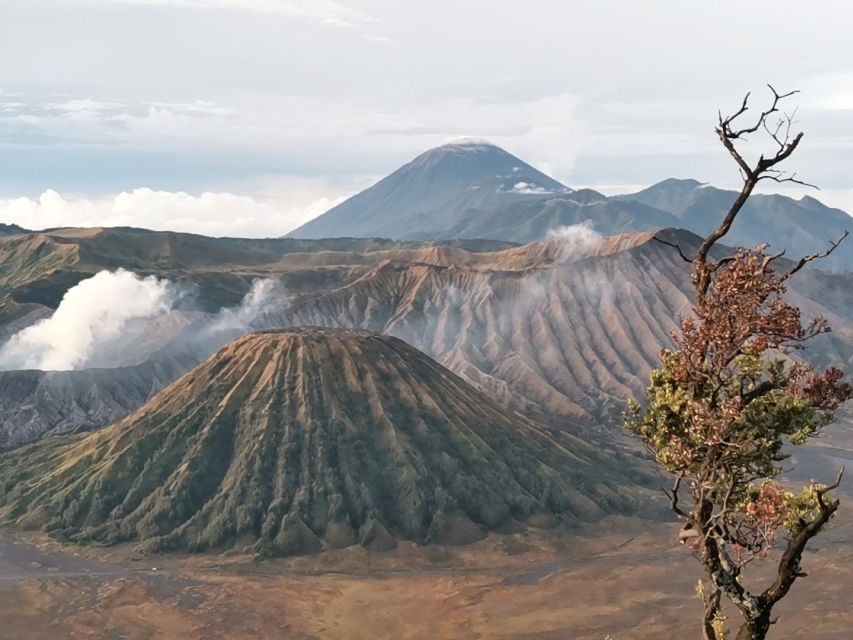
(755, 629)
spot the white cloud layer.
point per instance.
(334, 88)
(324, 11)
(213, 214)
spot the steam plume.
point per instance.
(96, 319)
(90, 315)
(575, 241)
(264, 296)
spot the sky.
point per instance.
(249, 117)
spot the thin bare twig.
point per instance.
(676, 247)
(802, 262)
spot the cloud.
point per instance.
(380, 39)
(300, 130)
(214, 214)
(544, 131)
(527, 188)
(323, 11)
(828, 91)
(90, 315)
(85, 104)
(289, 91)
(204, 107)
(98, 122)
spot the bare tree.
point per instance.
(729, 398)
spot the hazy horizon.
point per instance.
(249, 117)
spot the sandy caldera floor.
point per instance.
(623, 578)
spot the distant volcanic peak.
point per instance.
(291, 441)
(587, 196)
(666, 194)
(469, 150)
(480, 165)
(435, 192)
(685, 183)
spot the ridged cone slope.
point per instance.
(291, 441)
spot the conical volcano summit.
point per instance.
(292, 441)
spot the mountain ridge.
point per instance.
(516, 322)
(801, 226)
(410, 204)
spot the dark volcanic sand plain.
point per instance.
(623, 578)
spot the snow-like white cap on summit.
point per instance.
(468, 141)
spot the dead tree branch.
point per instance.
(763, 169)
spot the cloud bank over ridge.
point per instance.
(213, 214)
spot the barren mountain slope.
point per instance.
(571, 335)
(15, 316)
(37, 404)
(289, 441)
(563, 330)
(39, 267)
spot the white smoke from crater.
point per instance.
(119, 318)
(264, 297)
(91, 314)
(575, 241)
